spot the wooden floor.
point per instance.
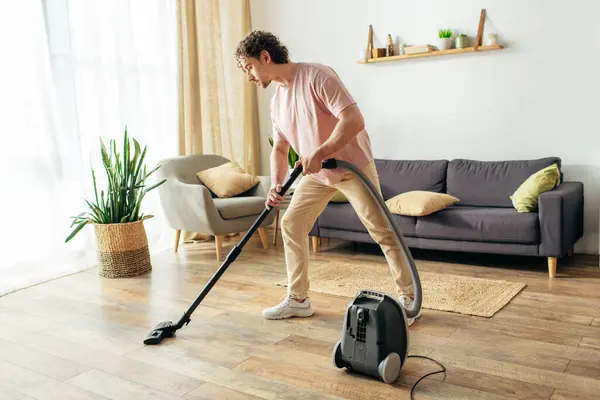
(80, 337)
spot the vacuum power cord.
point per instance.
(425, 376)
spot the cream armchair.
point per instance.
(190, 206)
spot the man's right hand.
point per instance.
(274, 198)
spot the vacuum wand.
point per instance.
(167, 329)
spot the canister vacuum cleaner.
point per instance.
(375, 331)
(375, 336)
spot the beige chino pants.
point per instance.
(308, 202)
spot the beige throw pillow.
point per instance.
(227, 180)
(418, 203)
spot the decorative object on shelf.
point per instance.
(418, 49)
(122, 244)
(390, 46)
(461, 41)
(379, 52)
(444, 39)
(491, 39)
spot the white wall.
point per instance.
(537, 98)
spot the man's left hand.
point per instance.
(311, 164)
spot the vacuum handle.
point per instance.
(293, 176)
(330, 163)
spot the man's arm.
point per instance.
(350, 123)
(279, 163)
(279, 167)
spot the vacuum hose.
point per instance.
(416, 306)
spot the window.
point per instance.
(72, 72)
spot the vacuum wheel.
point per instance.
(337, 355)
(389, 368)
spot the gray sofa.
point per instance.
(484, 221)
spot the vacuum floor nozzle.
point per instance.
(161, 331)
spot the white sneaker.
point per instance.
(407, 302)
(289, 307)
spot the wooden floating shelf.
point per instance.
(432, 54)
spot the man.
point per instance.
(312, 112)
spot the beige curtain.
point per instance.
(218, 106)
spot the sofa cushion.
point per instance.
(401, 176)
(237, 207)
(496, 224)
(343, 217)
(490, 183)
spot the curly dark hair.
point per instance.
(257, 41)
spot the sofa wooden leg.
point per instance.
(177, 237)
(552, 266)
(264, 238)
(571, 252)
(315, 243)
(219, 246)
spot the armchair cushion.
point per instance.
(238, 207)
(227, 180)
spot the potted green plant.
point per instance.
(122, 244)
(444, 39)
(461, 41)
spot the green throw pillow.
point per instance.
(339, 197)
(525, 198)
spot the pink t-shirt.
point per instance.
(304, 114)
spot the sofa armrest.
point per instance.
(561, 218)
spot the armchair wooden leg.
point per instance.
(177, 237)
(315, 243)
(219, 246)
(571, 252)
(552, 266)
(264, 238)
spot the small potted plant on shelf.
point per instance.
(461, 41)
(122, 244)
(444, 39)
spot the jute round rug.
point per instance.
(444, 292)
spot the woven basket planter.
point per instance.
(122, 249)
